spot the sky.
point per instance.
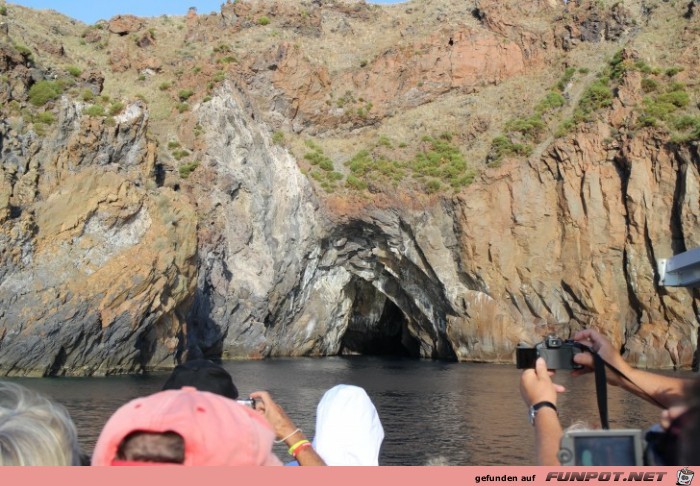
(90, 11)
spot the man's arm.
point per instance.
(300, 447)
(536, 387)
(666, 391)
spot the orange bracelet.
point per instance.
(297, 445)
(299, 448)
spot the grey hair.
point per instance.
(35, 431)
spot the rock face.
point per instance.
(112, 260)
(96, 271)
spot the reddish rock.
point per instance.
(124, 24)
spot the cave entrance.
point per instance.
(387, 335)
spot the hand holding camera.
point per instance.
(557, 353)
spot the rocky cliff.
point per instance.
(465, 177)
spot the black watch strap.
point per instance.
(539, 405)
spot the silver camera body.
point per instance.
(618, 447)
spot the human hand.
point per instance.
(670, 414)
(274, 414)
(536, 385)
(604, 348)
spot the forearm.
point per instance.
(665, 390)
(304, 453)
(548, 434)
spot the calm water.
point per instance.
(470, 414)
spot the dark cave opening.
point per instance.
(388, 337)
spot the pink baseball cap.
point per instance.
(216, 430)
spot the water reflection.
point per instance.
(470, 414)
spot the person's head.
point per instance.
(204, 375)
(348, 429)
(188, 427)
(35, 431)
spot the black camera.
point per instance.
(558, 354)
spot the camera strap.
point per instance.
(601, 390)
(599, 365)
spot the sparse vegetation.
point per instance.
(278, 138)
(24, 51)
(46, 117)
(264, 20)
(44, 91)
(3, 10)
(180, 154)
(182, 107)
(116, 108)
(164, 86)
(94, 110)
(74, 71)
(185, 94)
(186, 169)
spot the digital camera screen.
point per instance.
(604, 451)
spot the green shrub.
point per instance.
(278, 137)
(165, 85)
(649, 85)
(672, 71)
(180, 154)
(564, 128)
(95, 110)
(597, 95)
(354, 183)
(676, 98)
(3, 10)
(173, 145)
(186, 169)
(551, 101)
(566, 78)
(384, 141)
(46, 117)
(24, 51)
(433, 186)
(116, 108)
(686, 122)
(502, 146)
(643, 66)
(618, 67)
(264, 20)
(74, 71)
(44, 91)
(182, 107)
(530, 128)
(185, 94)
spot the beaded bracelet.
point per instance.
(282, 440)
(297, 445)
(300, 448)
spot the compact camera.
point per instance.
(248, 402)
(620, 447)
(558, 354)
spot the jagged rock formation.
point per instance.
(96, 270)
(117, 257)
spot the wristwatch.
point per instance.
(537, 406)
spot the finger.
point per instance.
(559, 388)
(585, 359)
(541, 368)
